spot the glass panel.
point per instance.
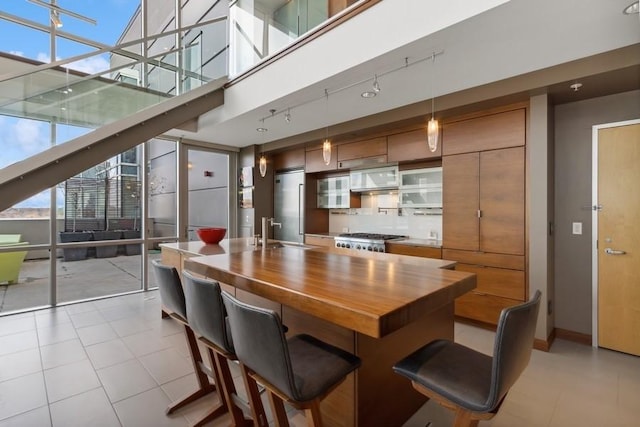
(285, 22)
(24, 277)
(208, 183)
(21, 138)
(162, 177)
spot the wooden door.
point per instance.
(502, 201)
(460, 201)
(619, 238)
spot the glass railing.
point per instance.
(121, 80)
(257, 30)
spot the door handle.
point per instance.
(610, 251)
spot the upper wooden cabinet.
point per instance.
(483, 201)
(409, 146)
(361, 149)
(500, 130)
(315, 163)
(291, 159)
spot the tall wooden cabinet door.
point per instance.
(460, 178)
(502, 201)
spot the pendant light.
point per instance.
(262, 163)
(326, 145)
(433, 129)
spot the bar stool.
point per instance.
(208, 319)
(301, 370)
(473, 384)
(174, 306)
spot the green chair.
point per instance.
(11, 262)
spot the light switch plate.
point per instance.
(577, 228)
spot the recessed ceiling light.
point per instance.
(368, 94)
(632, 9)
(262, 129)
(576, 86)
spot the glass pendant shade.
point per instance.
(433, 133)
(263, 166)
(326, 151)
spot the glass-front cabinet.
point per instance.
(333, 192)
(421, 188)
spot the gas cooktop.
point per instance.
(364, 241)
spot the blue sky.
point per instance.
(21, 138)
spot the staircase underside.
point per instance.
(24, 179)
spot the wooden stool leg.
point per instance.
(464, 419)
(279, 414)
(312, 413)
(204, 386)
(228, 388)
(255, 402)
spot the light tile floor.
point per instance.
(114, 362)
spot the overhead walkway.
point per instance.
(145, 92)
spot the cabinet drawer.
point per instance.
(421, 251)
(482, 307)
(319, 241)
(497, 281)
(512, 262)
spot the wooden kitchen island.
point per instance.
(378, 306)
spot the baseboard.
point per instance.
(545, 345)
(578, 337)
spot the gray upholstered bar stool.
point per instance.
(208, 319)
(173, 304)
(301, 370)
(471, 383)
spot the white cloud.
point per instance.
(16, 52)
(91, 65)
(43, 57)
(31, 135)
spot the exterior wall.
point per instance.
(573, 189)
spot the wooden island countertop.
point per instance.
(380, 307)
(365, 293)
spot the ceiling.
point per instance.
(500, 39)
(406, 91)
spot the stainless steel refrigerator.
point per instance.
(289, 206)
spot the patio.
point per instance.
(77, 280)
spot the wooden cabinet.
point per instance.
(408, 146)
(360, 149)
(484, 210)
(499, 130)
(290, 159)
(413, 250)
(369, 152)
(315, 163)
(317, 240)
(483, 201)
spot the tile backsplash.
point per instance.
(380, 214)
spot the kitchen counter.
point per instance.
(431, 243)
(379, 306)
(367, 294)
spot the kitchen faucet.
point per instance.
(266, 222)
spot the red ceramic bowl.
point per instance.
(211, 235)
